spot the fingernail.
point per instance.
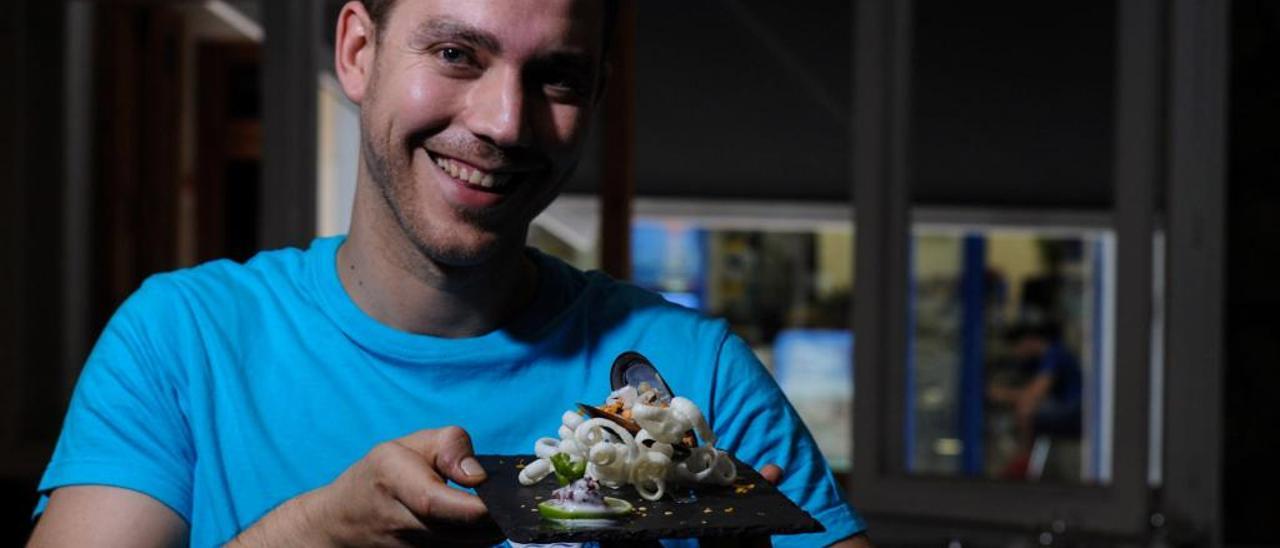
(472, 468)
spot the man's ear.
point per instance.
(354, 50)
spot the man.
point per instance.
(1049, 400)
(253, 403)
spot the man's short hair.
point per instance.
(380, 9)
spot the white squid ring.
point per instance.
(535, 471)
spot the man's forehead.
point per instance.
(513, 25)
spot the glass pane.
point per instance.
(1008, 354)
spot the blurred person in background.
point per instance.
(309, 397)
(1047, 402)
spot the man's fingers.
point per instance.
(772, 473)
(449, 451)
(453, 506)
(417, 485)
(455, 458)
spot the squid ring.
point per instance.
(592, 431)
(545, 447)
(571, 419)
(535, 471)
(649, 474)
(693, 417)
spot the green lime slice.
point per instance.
(613, 508)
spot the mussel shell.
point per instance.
(679, 450)
(598, 413)
(633, 369)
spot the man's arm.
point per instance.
(95, 515)
(397, 494)
(1030, 397)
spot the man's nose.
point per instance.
(497, 108)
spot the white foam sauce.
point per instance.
(569, 506)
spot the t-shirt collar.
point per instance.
(505, 344)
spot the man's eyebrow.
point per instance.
(572, 60)
(451, 30)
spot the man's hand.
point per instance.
(1029, 398)
(395, 496)
(772, 473)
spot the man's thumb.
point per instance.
(450, 453)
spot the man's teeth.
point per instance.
(470, 175)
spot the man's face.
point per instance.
(1028, 347)
(474, 116)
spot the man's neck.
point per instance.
(399, 286)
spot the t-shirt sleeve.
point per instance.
(754, 420)
(1050, 364)
(126, 425)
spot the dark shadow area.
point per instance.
(1251, 478)
(18, 500)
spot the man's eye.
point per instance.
(454, 56)
(566, 86)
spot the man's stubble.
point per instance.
(394, 179)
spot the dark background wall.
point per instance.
(1251, 474)
(751, 99)
(740, 99)
(1012, 104)
(31, 297)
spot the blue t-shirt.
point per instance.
(225, 389)
(1067, 382)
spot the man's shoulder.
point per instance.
(620, 306)
(265, 269)
(220, 288)
(604, 293)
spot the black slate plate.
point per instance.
(717, 511)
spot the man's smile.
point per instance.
(496, 179)
(477, 185)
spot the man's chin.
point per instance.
(462, 254)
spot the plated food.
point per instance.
(643, 466)
(641, 437)
(579, 500)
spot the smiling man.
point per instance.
(325, 396)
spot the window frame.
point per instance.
(879, 486)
